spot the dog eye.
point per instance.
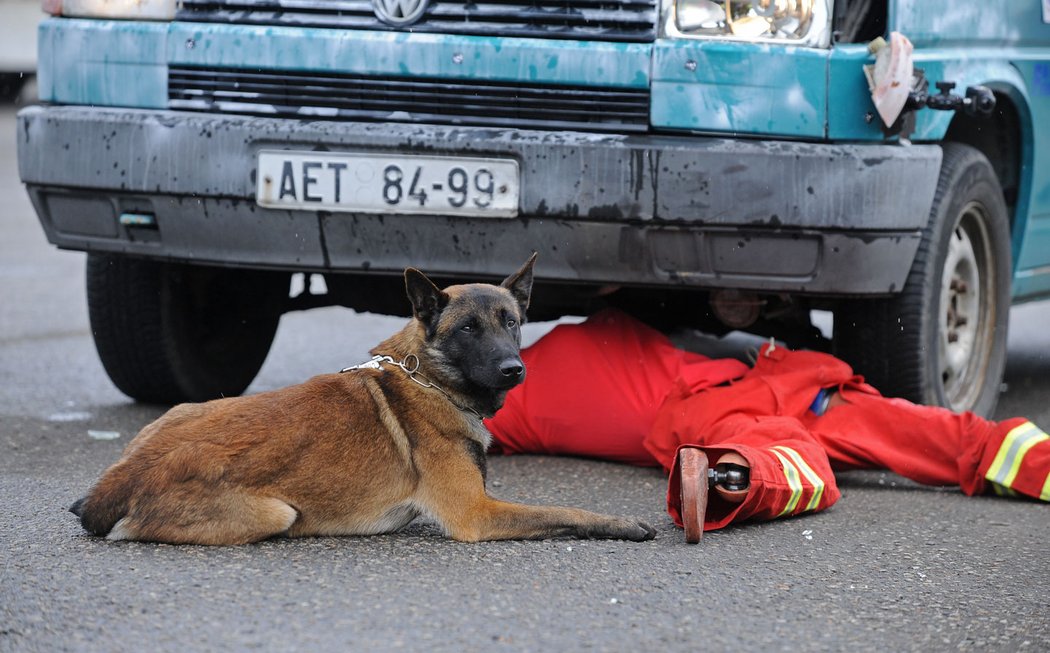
(467, 328)
(511, 324)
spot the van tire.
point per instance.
(942, 340)
(170, 333)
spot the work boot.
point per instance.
(729, 478)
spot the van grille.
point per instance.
(406, 99)
(597, 20)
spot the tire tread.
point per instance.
(885, 339)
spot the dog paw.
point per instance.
(647, 532)
(635, 531)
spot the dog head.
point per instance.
(472, 332)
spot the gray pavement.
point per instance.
(893, 566)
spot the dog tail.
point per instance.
(104, 505)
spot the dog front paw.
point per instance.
(626, 529)
(642, 532)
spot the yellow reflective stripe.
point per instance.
(1003, 491)
(807, 471)
(1011, 452)
(793, 482)
(995, 469)
(1045, 494)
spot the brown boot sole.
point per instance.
(692, 471)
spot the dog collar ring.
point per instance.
(410, 364)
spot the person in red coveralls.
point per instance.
(768, 438)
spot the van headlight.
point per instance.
(130, 9)
(794, 22)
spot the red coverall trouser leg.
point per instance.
(765, 418)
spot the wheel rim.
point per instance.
(966, 307)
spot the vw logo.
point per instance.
(399, 12)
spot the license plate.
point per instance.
(382, 183)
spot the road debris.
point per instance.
(103, 435)
(70, 416)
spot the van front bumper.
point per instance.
(650, 210)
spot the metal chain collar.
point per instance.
(410, 366)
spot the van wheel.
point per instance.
(942, 341)
(169, 333)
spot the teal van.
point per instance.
(710, 163)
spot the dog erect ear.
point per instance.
(520, 284)
(427, 299)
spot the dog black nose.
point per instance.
(512, 367)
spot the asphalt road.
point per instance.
(893, 566)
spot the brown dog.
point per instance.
(356, 453)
